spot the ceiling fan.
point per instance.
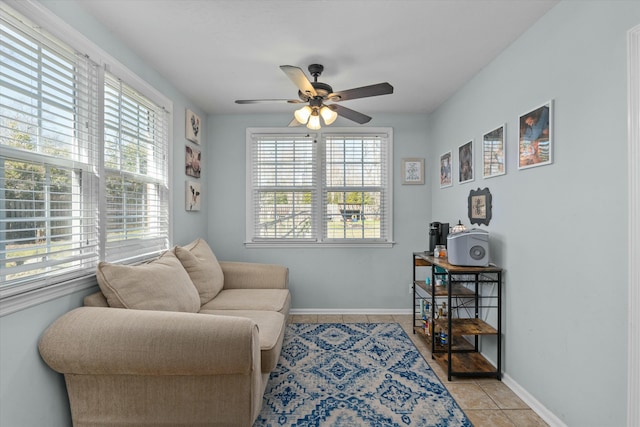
(315, 94)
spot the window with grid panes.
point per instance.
(53, 163)
(331, 187)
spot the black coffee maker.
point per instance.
(438, 232)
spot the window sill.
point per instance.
(287, 245)
(28, 299)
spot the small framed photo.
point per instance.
(445, 170)
(193, 161)
(193, 196)
(535, 140)
(493, 152)
(465, 162)
(192, 127)
(413, 171)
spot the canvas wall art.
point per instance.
(192, 127)
(193, 161)
(193, 196)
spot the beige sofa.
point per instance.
(184, 340)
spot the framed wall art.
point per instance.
(479, 206)
(192, 127)
(193, 161)
(413, 171)
(445, 170)
(493, 152)
(465, 162)
(193, 196)
(535, 139)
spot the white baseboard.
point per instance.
(548, 416)
(361, 311)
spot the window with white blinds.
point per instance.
(327, 188)
(136, 173)
(55, 107)
(284, 189)
(355, 187)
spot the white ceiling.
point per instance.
(215, 52)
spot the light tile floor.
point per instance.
(487, 402)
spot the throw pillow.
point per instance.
(162, 284)
(203, 268)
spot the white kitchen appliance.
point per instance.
(469, 248)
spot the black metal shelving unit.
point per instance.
(473, 313)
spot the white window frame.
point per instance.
(55, 26)
(320, 205)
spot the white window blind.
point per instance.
(49, 102)
(136, 179)
(327, 188)
(355, 187)
(83, 162)
(284, 189)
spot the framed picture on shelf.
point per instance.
(445, 170)
(535, 138)
(192, 127)
(413, 171)
(465, 162)
(193, 196)
(193, 161)
(493, 153)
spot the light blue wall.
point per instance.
(560, 231)
(31, 394)
(323, 278)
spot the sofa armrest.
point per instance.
(249, 275)
(103, 341)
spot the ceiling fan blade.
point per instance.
(294, 123)
(299, 78)
(362, 92)
(350, 114)
(258, 101)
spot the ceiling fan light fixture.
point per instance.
(328, 115)
(314, 120)
(302, 115)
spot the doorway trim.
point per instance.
(633, 360)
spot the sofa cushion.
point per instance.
(251, 299)
(271, 328)
(162, 284)
(203, 268)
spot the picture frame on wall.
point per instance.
(465, 162)
(494, 152)
(193, 196)
(479, 205)
(413, 171)
(192, 127)
(535, 137)
(446, 166)
(193, 161)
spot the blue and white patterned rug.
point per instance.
(356, 374)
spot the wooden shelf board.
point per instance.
(444, 263)
(465, 363)
(458, 344)
(468, 327)
(443, 291)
